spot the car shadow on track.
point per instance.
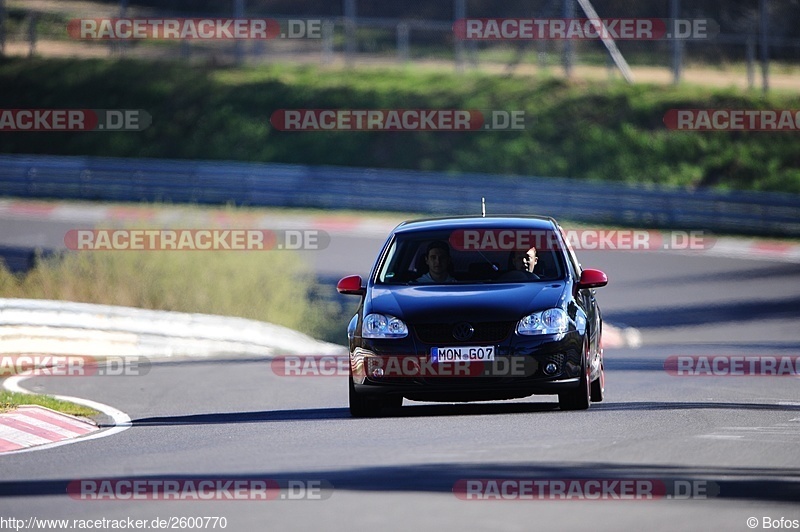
(442, 410)
(727, 482)
(311, 414)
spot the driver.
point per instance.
(437, 258)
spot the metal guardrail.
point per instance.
(65, 327)
(329, 187)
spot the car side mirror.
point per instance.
(592, 279)
(351, 285)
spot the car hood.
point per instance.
(450, 303)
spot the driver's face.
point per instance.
(525, 260)
(437, 260)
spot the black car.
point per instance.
(475, 309)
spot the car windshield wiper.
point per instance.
(492, 264)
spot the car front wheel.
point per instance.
(599, 385)
(371, 405)
(580, 397)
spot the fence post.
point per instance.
(764, 30)
(750, 53)
(403, 39)
(459, 12)
(33, 18)
(2, 28)
(238, 50)
(677, 44)
(568, 59)
(327, 42)
(349, 31)
(120, 47)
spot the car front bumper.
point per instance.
(523, 365)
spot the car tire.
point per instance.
(392, 401)
(580, 397)
(362, 405)
(599, 385)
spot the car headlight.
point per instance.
(550, 321)
(382, 326)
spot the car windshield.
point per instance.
(479, 255)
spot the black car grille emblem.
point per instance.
(463, 331)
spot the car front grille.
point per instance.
(485, 332)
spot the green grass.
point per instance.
(599, 131)
(11, 400)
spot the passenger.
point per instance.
(437, 257)
(521, 264)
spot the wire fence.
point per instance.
(756, 44)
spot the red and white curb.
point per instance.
(756, 249)
(30, 425)
(616, 337)
(34, 428)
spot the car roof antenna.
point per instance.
(483, 214)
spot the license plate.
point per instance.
(462, 354)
